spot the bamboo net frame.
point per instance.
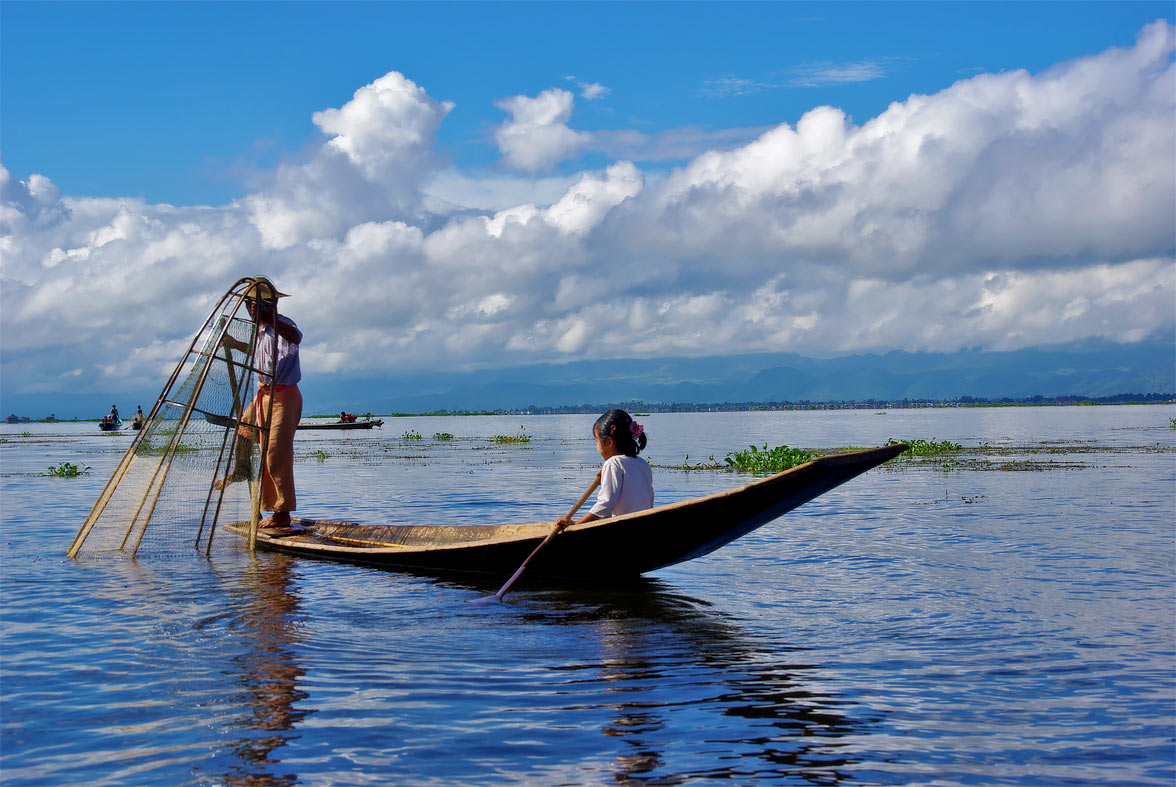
(164, 497)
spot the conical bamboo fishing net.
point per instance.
(171, 488)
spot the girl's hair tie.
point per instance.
(637, 429)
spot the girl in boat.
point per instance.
(626, 480)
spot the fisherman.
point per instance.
(276, 406)
(113, 414)
(138, 419)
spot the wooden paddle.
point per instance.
(502, 591)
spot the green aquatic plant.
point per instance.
(926, 447)
(442, 436)
(66, 470)
(320, 455)
(506, 439)
(1172, 422)
(768, 460)
(713, 464)
(411, 434)
(30, 434)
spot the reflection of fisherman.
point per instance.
(266, 678)
(277, 349)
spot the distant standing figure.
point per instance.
(278, 339)
(626, 480)
(113, 413)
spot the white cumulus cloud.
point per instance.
(593, 91)
(379, 152)
(536, 135)
(1006, 211)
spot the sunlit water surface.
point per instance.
(915, 626)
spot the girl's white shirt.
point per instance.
(626, 485)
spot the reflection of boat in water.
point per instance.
(622, 546)
(766, 702)
(368, 424)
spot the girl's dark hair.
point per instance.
(618, 425)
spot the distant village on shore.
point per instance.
(868, 404)
(733, 407)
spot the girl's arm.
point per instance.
(564, 521)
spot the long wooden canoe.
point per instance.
(341, 424)
(623, 546)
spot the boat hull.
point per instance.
(624, 546)
(343, 425)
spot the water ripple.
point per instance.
(910, 627)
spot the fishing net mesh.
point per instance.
(188, 474)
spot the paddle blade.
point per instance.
(481, 602)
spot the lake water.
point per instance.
(1007, 620)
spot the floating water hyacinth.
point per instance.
(506, 439)
(926, 447)
(67, 470)
(768, 460)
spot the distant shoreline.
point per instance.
(738, 407)
(734, 407)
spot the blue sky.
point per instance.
(183, 102)
(481, 185)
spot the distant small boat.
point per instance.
(136, 425)
(106, 425)
(616, 547)
(221, 420)
(342, 424)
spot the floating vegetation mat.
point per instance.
(1036, 457)
(385, 449)
(946, 456)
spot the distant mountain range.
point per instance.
(1086, 371)
(1095, 370)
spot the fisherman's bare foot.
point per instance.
(221, 483)
(278, 519)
